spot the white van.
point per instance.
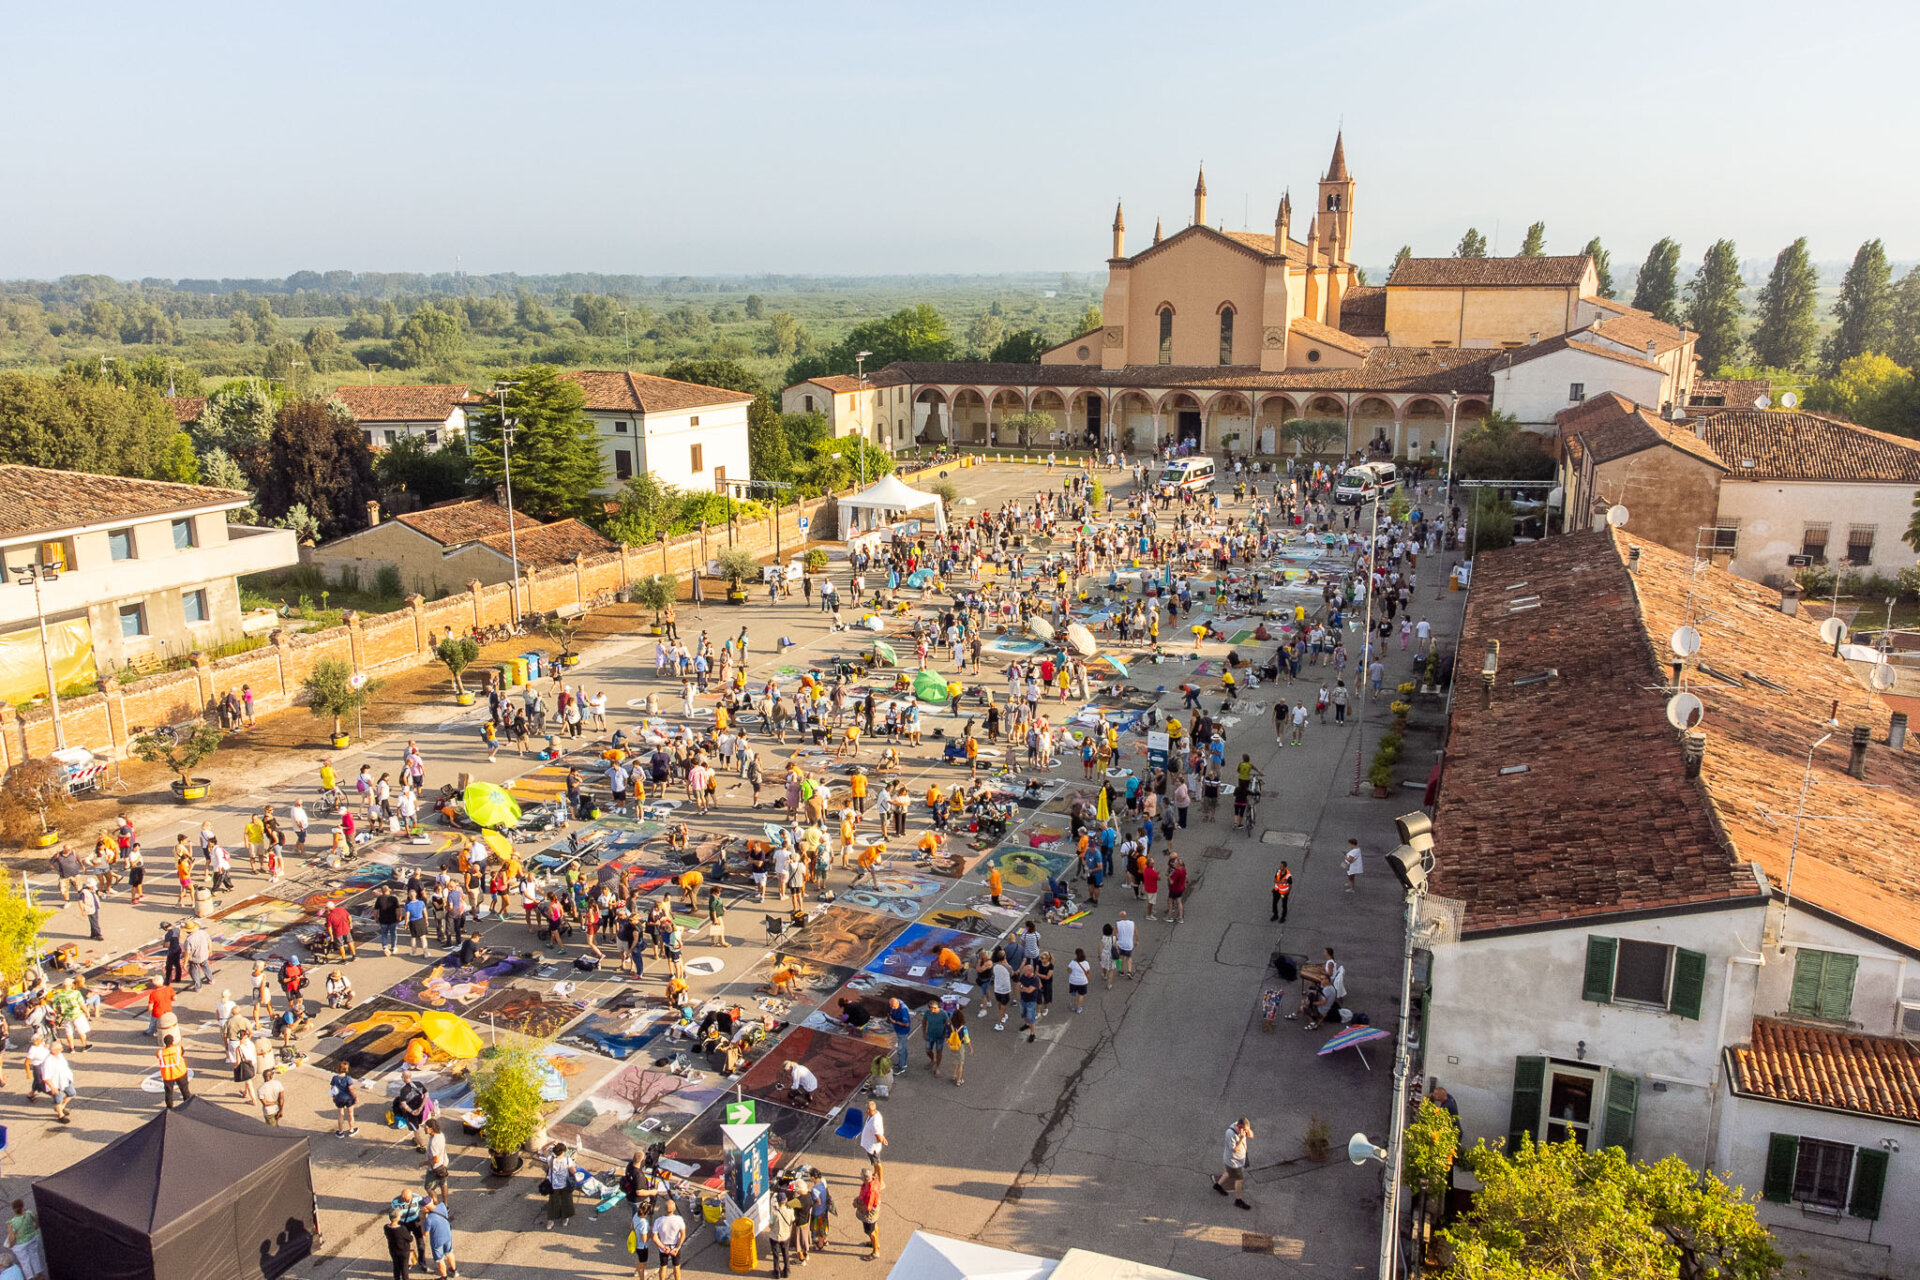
(1386, 476)
(1187, 473)
(1357, 485)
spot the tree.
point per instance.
(181, 753)
(430, 476)
(647, 508)
(1489, 521)
(318, 458)
(1090, 320)
(598, 314)
(1315, 436)
(33, 799)
(730, 374)
(1912, 536)
(1405, 251)
(507, 1085)
(323, 346)
(983, 332)
(219, 470)
(656, 591)
(179, 463)
(1905, 346)
(457, 653)
(737, 564)
(1500, 449)
(1871, 390)
(72, 424)
(430, 337)
(331, 693)
(556, 456)
(1535, 243)
(1783, 335)
(1032, 428)
(911, 333)
(238, 420)
(785, 337)
(1557, 1210)
(20, 925)
(756, 306)
(768, 457)
(1864, 310)
(1472, 245)
(1714, 306)
(1658, 289)
(1602, 266)
(1022, 346)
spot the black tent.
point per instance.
(197, 1192)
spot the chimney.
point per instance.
(1489, 667)
(1599, 515)
(1897, 731)
(1790, 600)
(1700, 428)
(1857, 762)
(1633, 559)
(373, 514)
(1652, 347)
(1694, 750)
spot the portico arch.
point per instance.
(1183, 421)
(1229, 424)
(1423, 427)
(1054, 405)
(969, 417)
(1005, 404)
(932, 418)
(1136, 420)
(1089, 420)
(1270, 420)
(1376, 425)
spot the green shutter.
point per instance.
(1836, 985)
(1689, 983)
(1807, 967)
(1529, 1084)
(1623, 1101)
(1783, 1153)
(1600, 954)
(1869, 1179)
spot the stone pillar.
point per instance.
(350, 619)
(203, 672)
(474, 590)
(414, 604)
(117, 735)
(11, 744)
(279, 642)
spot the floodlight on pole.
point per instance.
(506, 463)
(860, 371)
(33, 574)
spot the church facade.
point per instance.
(1217, 339)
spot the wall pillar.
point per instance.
(279, 642)
(420, 629)
(479, 602)
(203, 672)
(350, 619)
(12, 743)
(117, 735)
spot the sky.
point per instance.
(214, 140)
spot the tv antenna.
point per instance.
(1763, 401)
(1685, 642)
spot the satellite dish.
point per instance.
(1789, 399)
(1685, 642)
(1616, 515)
(1882, 677)
(1684, 711)
(1763, 401)
(1832, 630)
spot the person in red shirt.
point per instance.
(340, 931)
(1150, 881)
(159, 1003)
(1176, 888)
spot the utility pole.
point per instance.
(33, 574)
(1362, 674)
(506, 462)
(860, 371)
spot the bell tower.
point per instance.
(1200, 199)
(1334, 217)
(1119, 232)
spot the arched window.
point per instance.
(1226, 335)
(1333, 202)
(1166, 335)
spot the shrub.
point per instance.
(20, 925)
(506, 1090)
(737, 564)
(457, 653)
(181, 755)
(816, 560)
(386, 582)
(331, 692)
(656, 592)
(33, 799)
(948, 492)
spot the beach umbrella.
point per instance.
(497, 842)
(451, 1035)
(1040, 627)
(919, 578)
(930, 686)
(884, 651)
(1082, 640)
(1118, 665)
(490, 806)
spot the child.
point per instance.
(1107, 953)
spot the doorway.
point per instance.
(1190, 430)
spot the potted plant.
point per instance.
(656, 592)
(564, 630)
(458, 653)
(1318, 1140)
(1380, 774)
(816, 560)
(737, 564)
(335, 690)
(33, 799)
(506, 1092)
(181, 754)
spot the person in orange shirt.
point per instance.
(870, 863)
(858, 784)
(929, 843)
(853, 739)
(993, 885)
(847, 833)
(173, 1070)
(690, 883)
(948, 963)
(720, 719)
(973, 756)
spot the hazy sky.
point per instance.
(234, 140)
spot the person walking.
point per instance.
(440, 1241)
(866, 1207)
(937, 1021)
(1176, 888)
(959, 1045)
(1233, 1178)
(173, 1069)
(90, 908)
(900, 1019)
(1352, 864)
(1079, 974)
(560, 1169)
(340, 1087)
(1282, 890)
(873, 1136)
(57, 1074)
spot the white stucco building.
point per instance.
(854, 407)
(691, 436)
(388, 415)
(1627, 947)
(1615, 349)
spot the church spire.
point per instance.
(1283, 223)
(1119, 231)
(1156, 231)
(1200, 199)
(1337, 168)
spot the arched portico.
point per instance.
(969, 417)
(1229, 423)
(1423, 426)
(1089, 420)
(932, 418)
(1005, 403)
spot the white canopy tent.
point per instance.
(890, 500)
(931, 1257)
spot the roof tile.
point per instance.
(403, 404)
(455, 524)
(1810, 446)
(1489, 272)
(550, 544)
(1468, 370)
(1816, 1066)
(38, 500)
(647, 393)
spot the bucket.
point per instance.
(711, 1209)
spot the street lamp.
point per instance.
(32, 575)
(506, 462)
(860, 371)
(1453, 418)
(1411, 863)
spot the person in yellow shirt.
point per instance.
(852, 739)
(690, 882)
(870, 863)
(929, 843)
(256, 835)
(933, 795)
(973, 756)
(847, 833)
(720, 719)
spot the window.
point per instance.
(1823, 984)
(1726, 537)
(619, 428)
(369, 436)
(694, 421)
(194, 605)
(1651, 974)
(807, 402)
(1441, 342)
(53, 555)
(1576, 392)
(1166, 335)
(1860, 544)
(183, 539)
(1313, 355)
(120, 544)
(433, 435)
(1813, 543)
(1829, 1176)
(1557, 1101)
(699, 463)
(1226, 336)
(623, 464)
(719, 479)
(133, 621)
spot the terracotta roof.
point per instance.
(837, 383)
(1255, 242)
(647, 393)
(1611, 426)
(1712, 395)
(1489, 272)
(1432, 369)
(38, 500)
(455, 524)
(1636, 329)
(187, 409)
(1817, 1067)
(550, 544)
(1314, 331)
(404, 404)
(1363, 312)
(1576, 341)
(1078, 337)
(1809, 446)
(1605, 820)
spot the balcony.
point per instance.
(247, 550)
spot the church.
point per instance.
(1217, 339)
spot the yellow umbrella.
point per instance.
(450, 1035)
(489, 806)
(497, 842)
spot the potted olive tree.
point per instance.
(33, 799)
(335, 691)
(457, 653)
(506, 1092)
(656, 592)
(564, 630)
(182, 754)
(737, 565)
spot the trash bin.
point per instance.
(203, 902)
(742, 1256)
(533, 661)
(519, 669)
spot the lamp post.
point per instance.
(860, 371)
(1453, 419)
(32, 575)
(1364, 672)
(506, 462)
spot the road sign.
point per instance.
(804, 522)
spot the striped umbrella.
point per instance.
(1353, 1038)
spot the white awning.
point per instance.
(930, 1257)
(892, 498)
